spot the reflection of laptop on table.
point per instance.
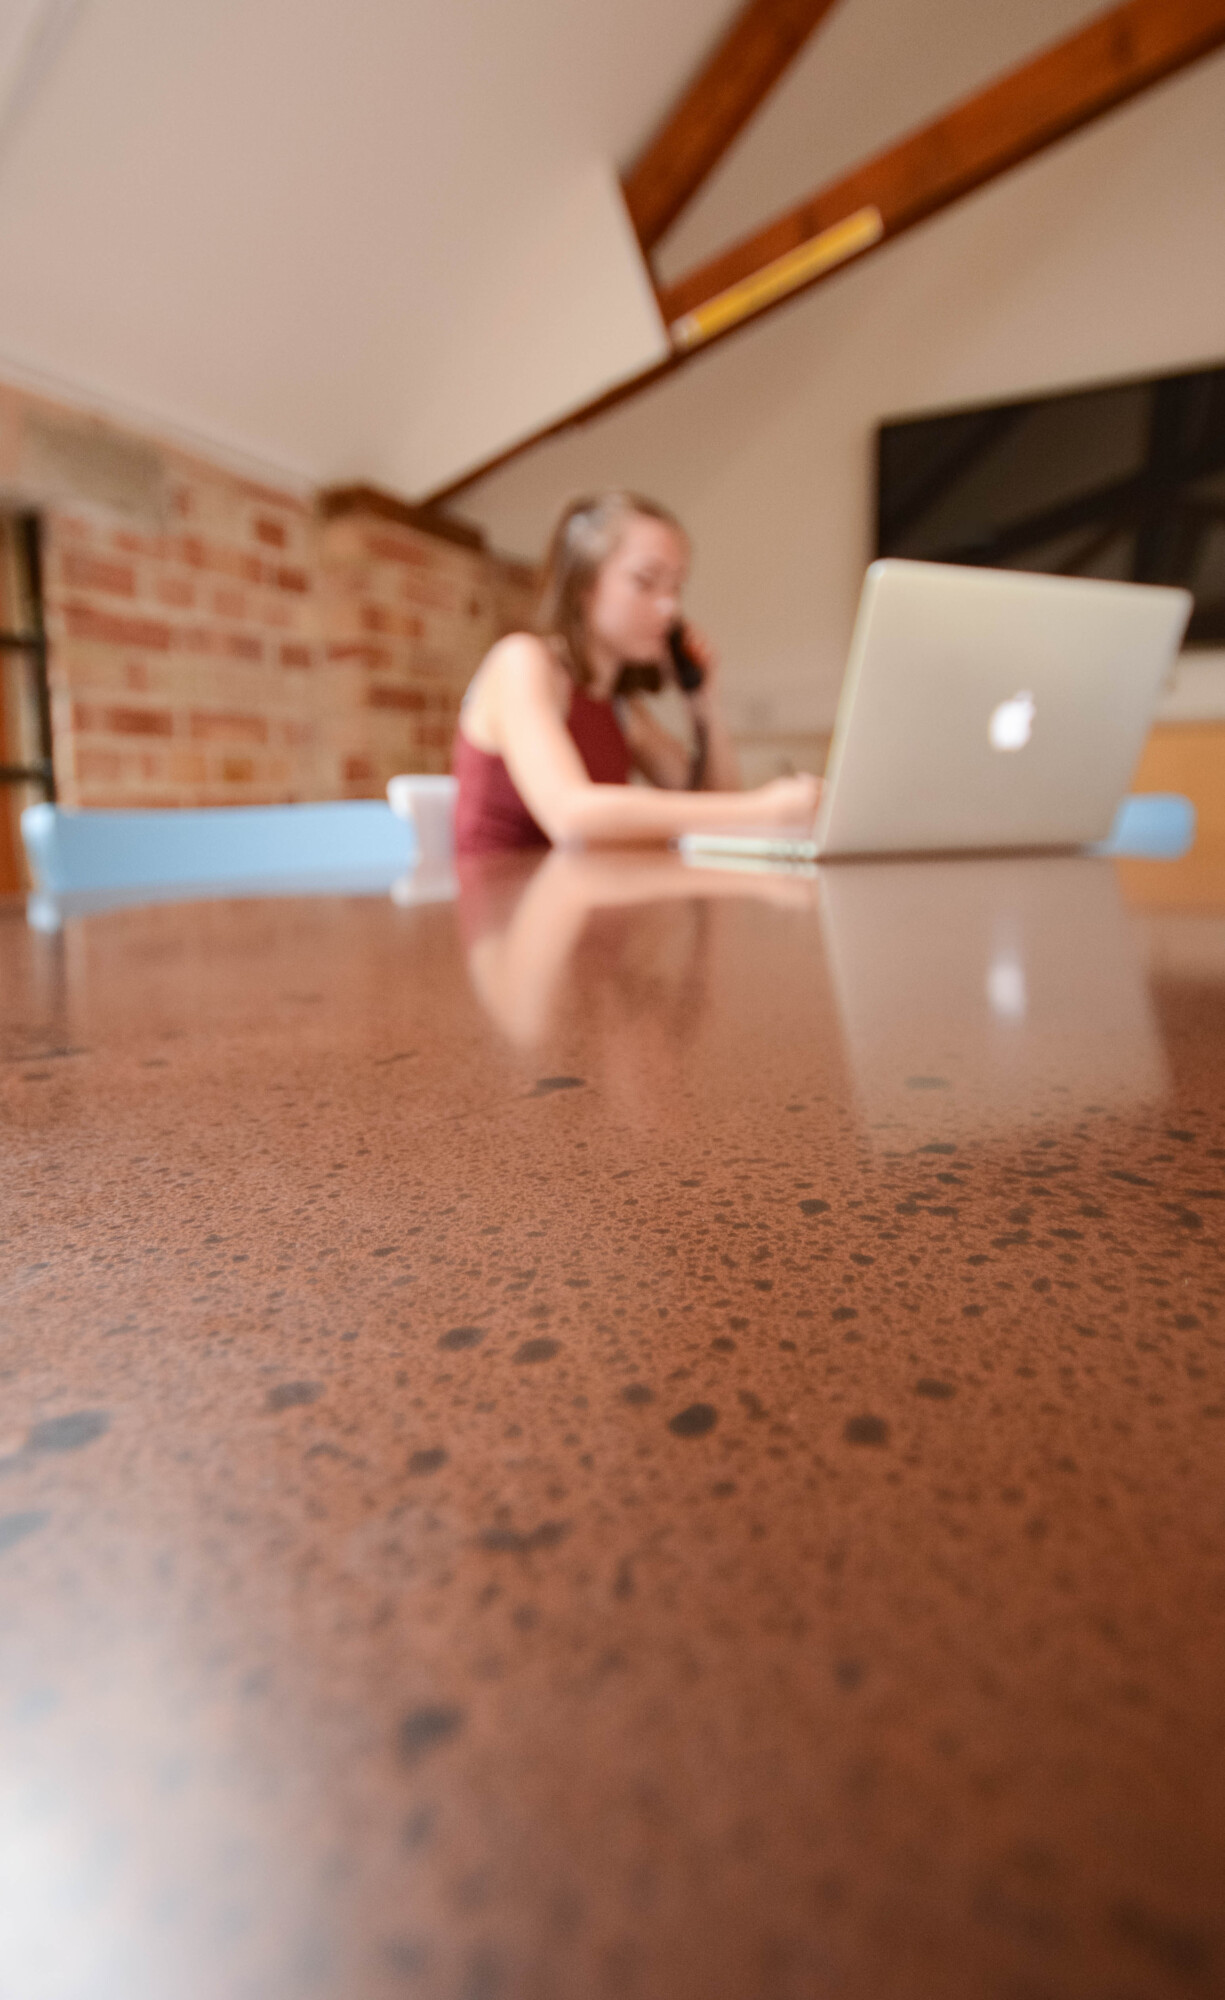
(978, 996)
(984, 709)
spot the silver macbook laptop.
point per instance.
(984, 709)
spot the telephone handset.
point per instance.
(644, 677)
(688, 672)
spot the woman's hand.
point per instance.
(789, 802)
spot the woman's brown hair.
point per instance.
(586, 535)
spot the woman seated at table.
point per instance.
(546, 742)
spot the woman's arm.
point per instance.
(552, 780)
(623, 813)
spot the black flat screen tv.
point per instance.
(1126, 480)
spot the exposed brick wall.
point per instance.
(184, 664)
(12, 748)
(516, 587)
(241, 650)
(406, 619)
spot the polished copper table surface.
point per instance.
(639, 1433)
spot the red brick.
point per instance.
(389, 548)
(98, 767)
(84, 622)
(238, 770)
(271, 532)
(209, 728)
(439, 665)
(196, 639)
(229, 604)
(396, 697)
(175, 591)
(295, 656)
(364, 656)
(358, 770)
(91, 573)
(431, 596)
(188, 767)
(199, 554)
(241, 646)
(292, 579)
(139, 722)
(85, 719)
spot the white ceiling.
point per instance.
(349, 238)
(382, 239)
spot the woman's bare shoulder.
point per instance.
(523, 664)
(520, 653)
(518, 673)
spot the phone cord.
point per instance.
(701, 744)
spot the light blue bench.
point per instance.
(95, 860)
(84, 861)
(1151, 826)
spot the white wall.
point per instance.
(1105, 257)
(548, 345)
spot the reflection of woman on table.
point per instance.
(521, 938)
(547, 738)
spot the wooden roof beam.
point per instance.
(1117, 56)
(762, 41)
(336, 502)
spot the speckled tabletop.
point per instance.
(643, 1433)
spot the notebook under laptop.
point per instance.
(984, 709)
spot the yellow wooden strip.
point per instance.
(820, 253)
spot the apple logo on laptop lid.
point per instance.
(1012, 723)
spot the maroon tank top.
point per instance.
(490, 816)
